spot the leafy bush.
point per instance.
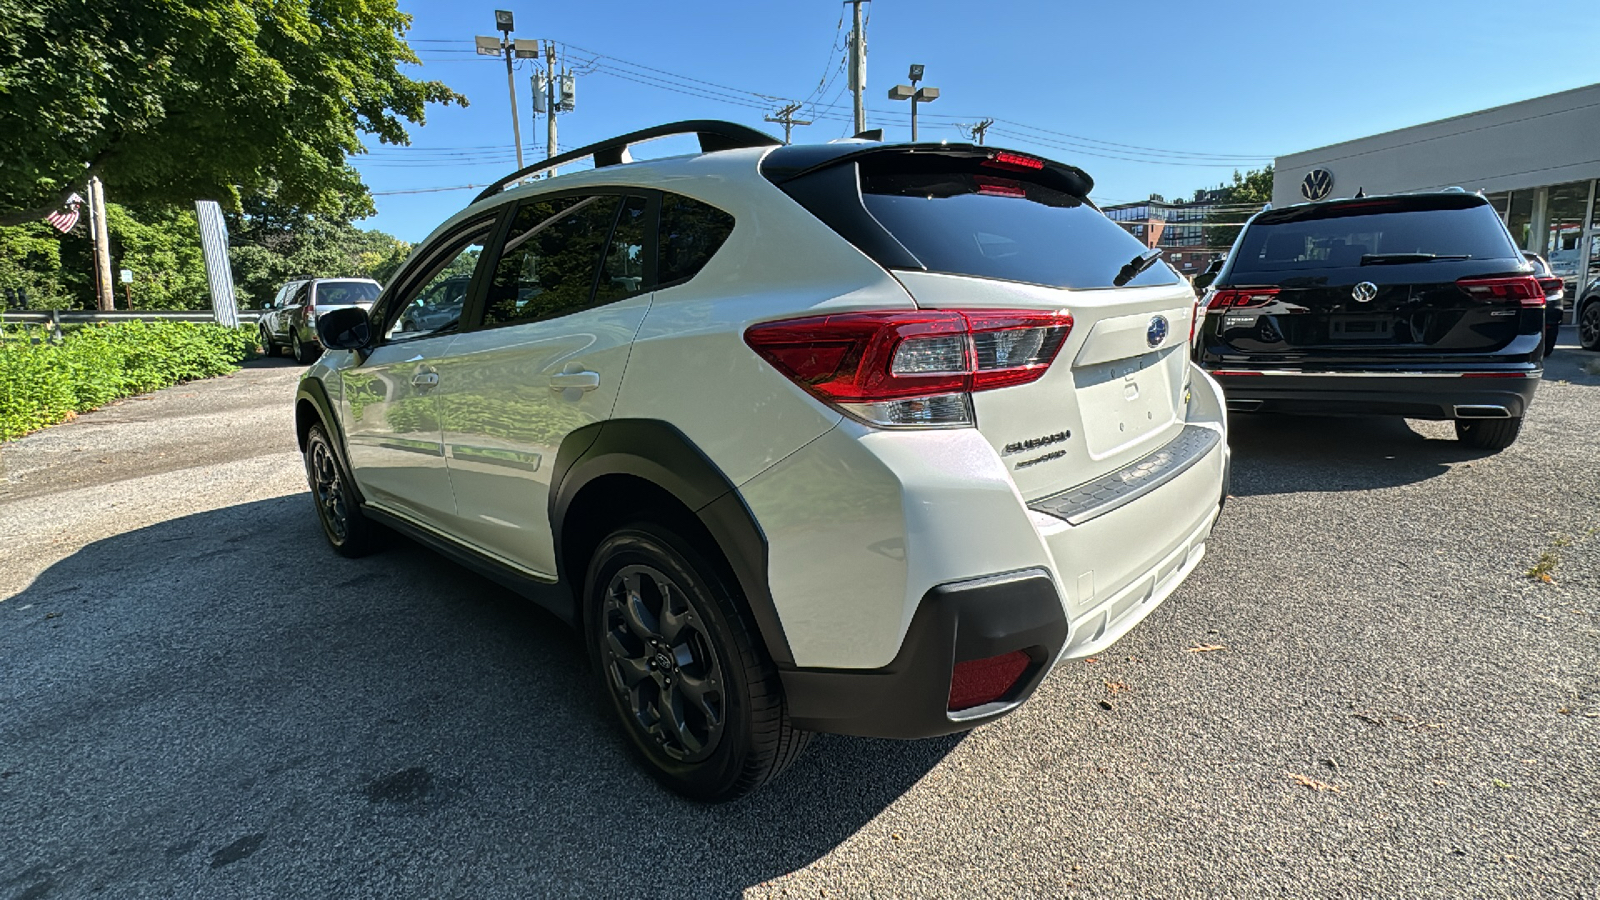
(44, 383)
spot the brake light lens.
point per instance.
(1554, 288)
(1241, 299)
(1524, 289)
(979, 681)
(1007, 160)
(914, 368)
(1194, 319)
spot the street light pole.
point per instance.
(512, 49)
(915, 94)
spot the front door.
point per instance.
(544, 357)
(390, 399)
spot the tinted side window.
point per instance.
(551, 259)
(691, 233)
(622, 271)
(345, 293)
(436, 291)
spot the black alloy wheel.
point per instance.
(348, 531)
(268, 348)
(1589, 325)
(661, 663)
(682, 666)
(301, 354)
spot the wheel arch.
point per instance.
(610, 471)
(311, 406)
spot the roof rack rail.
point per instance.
(714, 135)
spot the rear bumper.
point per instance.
(909, 698)
(1413, 395)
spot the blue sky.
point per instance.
(1147, 97)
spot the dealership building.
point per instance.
(1537, 161)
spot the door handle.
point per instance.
(425, 379)
(583, 381)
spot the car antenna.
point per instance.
(1360, 192)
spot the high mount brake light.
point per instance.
(1524, 289)
(1241, 299)
(1008, 160)
(911, 368)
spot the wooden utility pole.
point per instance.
(786, 116)
(105, 293)
(858, 66)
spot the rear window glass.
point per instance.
(989, 225)
(1362, 235)
(334, 293)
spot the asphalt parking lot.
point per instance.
(1361, 692)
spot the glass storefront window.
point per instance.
(1568, 205)
(1519, 216)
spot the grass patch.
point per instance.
(43, 383)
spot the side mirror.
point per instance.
(345, 329)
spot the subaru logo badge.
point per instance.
(1316, 184)
(1157, 332)
(1364, 292)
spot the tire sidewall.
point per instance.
(654, 545)
(356, 538)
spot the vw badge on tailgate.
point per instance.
(1157, 332)
(1364, 292)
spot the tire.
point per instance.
(302, 354)
(348, 531)
(1488, 434)
(1589, 324)
(669, 634)
(1552, 334)
(268, 348)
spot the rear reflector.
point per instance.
(912, 368)
(1241, 299)
(1524, 289)
(980, 681)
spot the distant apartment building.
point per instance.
(1177, 228)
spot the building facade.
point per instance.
(1177, 228)
(1538, 162)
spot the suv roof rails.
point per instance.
(714, 135)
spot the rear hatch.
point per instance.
(1430, 275)
(334, 294)
(978, 229)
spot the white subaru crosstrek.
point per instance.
(855, 437)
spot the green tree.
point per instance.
(1253, 188)
(163, 253)
(270, 243)
(175, 100)
(30, 267)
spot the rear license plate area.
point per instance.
(1361, 328)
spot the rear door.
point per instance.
(988, 233)
(544, 356)
(1398, 278)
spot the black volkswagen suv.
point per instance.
(1416, 305)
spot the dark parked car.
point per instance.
(1416, 305)
(1555, 291)
(1588, 316)
(290, 320)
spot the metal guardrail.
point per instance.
(55, 318)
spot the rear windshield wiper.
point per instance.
(1136, 265)
(1378, 259)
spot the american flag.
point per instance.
(65, 219)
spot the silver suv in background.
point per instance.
(290, 320)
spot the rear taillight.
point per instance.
(915, 368)
(1194, 319)
(1554, 288)
(1524, 289)
(979, 681)
(1241, 299)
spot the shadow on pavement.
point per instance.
(218, 705)
(1287, 454)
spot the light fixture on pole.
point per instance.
(512, 49)
(915, 94)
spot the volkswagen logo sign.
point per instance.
(1316, 184)
(1157, 332)
(1364, 292)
